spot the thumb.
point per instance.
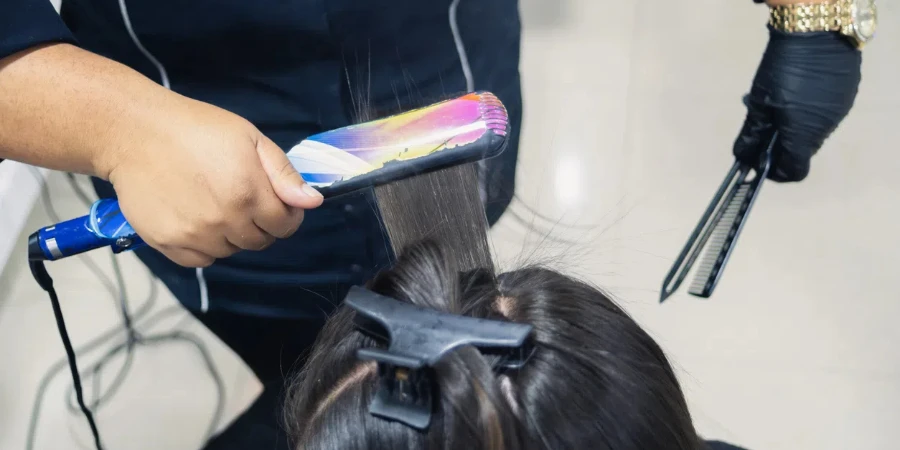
(289, 186)
(790, 159)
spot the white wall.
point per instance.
(20, 186)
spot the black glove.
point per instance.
(804, 87)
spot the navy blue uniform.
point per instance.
(293, 68)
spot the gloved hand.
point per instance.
(804, 87)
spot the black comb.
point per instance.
(719, 228)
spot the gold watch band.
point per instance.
(810, 17)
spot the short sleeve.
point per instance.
(27, 23)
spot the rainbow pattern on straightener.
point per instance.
(337, 155)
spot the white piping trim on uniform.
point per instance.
(164, 80)
(460, 47)
(204, 291)
(164, 77)
(470, 87)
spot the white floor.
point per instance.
(631, 111)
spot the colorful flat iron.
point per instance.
(453, 132)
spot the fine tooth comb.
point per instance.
(453, 132)
(719, 228)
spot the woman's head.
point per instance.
(595, 379)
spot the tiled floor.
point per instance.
(631, 111)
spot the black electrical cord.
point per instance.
(39, 271)
(132, 339)
(117, 293)
(88, 347)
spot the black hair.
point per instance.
(595, 381)
(443, 206)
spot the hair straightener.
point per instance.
(453, 132)
(719, 227)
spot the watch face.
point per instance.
(865, 18)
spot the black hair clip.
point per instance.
(417, 339)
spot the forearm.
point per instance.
(64, 108)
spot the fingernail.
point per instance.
(310, 191)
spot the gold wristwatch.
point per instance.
(855, 19)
